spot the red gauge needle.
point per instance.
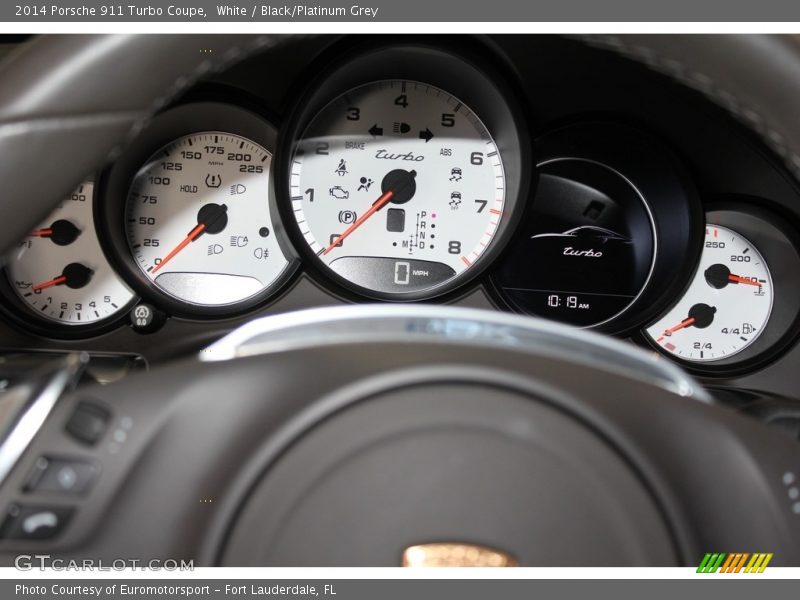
(46, 284)
(739, 279)
(377, 205)
(61, 232)
(211, 218)
(397, 185)
(718, 276)
(74, 275)
(700, 316)
(189, 238)
(685, 323)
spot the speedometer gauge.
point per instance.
(188, 211)
(727, 305)
(198, 220)
(398, 188)
(59, 271)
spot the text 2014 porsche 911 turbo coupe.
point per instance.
(327, 300)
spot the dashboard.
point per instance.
(526, 174)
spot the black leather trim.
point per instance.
(67, 103)
(754, 77)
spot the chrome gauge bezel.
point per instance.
(23, 317)
(461, 75)
(115, 184)
(772, 236)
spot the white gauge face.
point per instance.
(198, 220)
(727, 305)
(60, 272)
(397, 187)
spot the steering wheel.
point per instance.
(382, 434)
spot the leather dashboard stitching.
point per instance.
(22, 126)
(704, 84)
(139, 119)
(232, 56)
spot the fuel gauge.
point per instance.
(727, 305)
(59, 271)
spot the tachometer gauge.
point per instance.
(398, 189)
(199, 238)
(59, 271)
(727, 305)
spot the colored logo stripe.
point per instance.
(710, 563)
(758, 563)
(734, 562)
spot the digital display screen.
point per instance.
(584, 252)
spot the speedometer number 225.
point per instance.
(198, 220)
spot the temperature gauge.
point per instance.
(59, 271)
(727, 305)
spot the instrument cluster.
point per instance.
(411, 173)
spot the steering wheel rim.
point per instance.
(204, 440)
(230, 541)
(186, 395)
(55, 90)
